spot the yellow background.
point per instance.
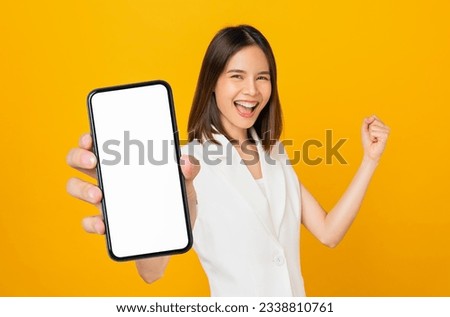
(338, 62)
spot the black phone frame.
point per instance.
(178, 155)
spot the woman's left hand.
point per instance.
(374, 137)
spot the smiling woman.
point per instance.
(243, 90)
(239, 63)
(246, 217)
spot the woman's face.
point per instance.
(243, 90)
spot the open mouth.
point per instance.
(246, 107)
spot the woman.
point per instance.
(246, 202)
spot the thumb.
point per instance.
(366, 123)
(190, 167)
(365, 132)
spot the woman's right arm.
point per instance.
(84, 160)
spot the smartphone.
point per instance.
(135, 139)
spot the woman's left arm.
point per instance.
(331, 227)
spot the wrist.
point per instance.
(190, 192)
(370, 162)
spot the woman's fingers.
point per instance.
(85, 142)
(374, 137)
(377, 130)
(84, 191)
(82, 160)
(379, 136)
(373, 124)
(373, 118)
(374, 129)
(94, 224)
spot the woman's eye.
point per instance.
(263, 78)
(236, 76)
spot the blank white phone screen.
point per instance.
(143, 197)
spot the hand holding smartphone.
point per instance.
(135, 139)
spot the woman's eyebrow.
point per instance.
(236, 71)
(264, 72)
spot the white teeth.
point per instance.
(245, 104)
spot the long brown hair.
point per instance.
(205, 115)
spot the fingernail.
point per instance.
(84, 140)
(97, 228)
(91, 193)
(88, 160)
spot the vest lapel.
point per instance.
(233, 170)
(274, 181)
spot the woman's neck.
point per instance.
(238, 135)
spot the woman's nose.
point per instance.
(250, 87)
